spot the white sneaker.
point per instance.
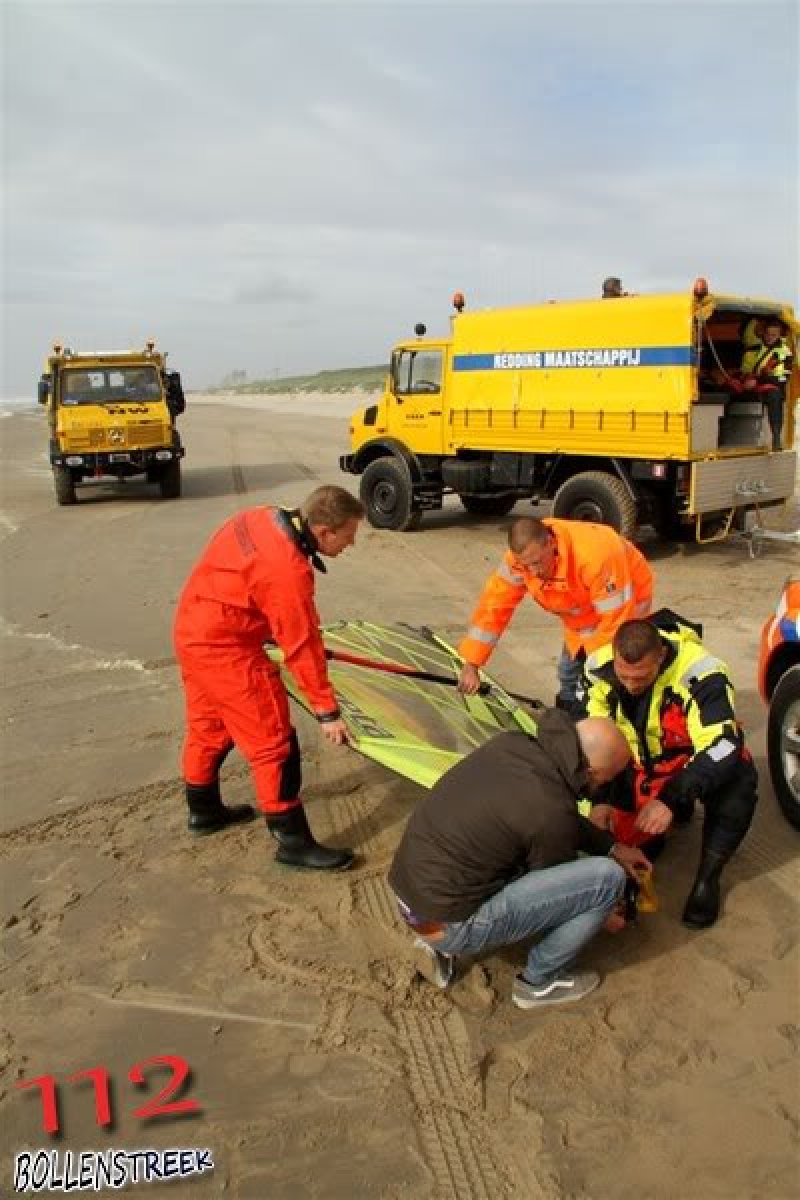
(439, 969)
(563, 990)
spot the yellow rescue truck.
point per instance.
(112, 415)
(628, 411)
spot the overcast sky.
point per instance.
(283, 187)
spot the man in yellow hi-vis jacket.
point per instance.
(673, 701)
(766, 367)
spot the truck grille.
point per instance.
(133, 435)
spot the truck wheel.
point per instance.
(65, 485)
(170, 481)
(597, 496)
(488, 506)
(783, 744)
(388, 497)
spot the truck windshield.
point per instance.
(110, 385)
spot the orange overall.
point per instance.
(252, 584)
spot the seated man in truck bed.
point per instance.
(766, 367)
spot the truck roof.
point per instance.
(660, 311)
(67, 357)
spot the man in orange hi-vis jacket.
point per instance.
(586, 574)
(254, 583)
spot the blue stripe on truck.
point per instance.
(588, 357)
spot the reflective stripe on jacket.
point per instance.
(254, 584)
(768, 362)
(688, 722)
(601, 580)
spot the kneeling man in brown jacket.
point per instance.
(490, 856)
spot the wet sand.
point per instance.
(323, 1066)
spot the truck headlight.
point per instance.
(161, 455)
(73, 460)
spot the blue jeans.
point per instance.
(567, 904)
(570, 675)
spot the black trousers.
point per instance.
(729, 811)
(773, 402)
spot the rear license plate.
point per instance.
(120, 457)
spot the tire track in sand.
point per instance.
(372, 898)
(455, 1142)
(443, 1090)
(352, 816)
(445, 1099)
(237, 474)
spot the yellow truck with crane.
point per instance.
(112, 415)
(626, 411)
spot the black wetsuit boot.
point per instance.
(207, 813)
(729, 812)
(702, 905)
(297, 846)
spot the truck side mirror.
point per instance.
(176, 402)
(44, 390)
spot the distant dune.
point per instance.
(345, 379)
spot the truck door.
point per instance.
(417, 383)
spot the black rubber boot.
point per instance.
(702, 905)
(297, 846)
(207, 813)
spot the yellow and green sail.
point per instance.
(415, 727)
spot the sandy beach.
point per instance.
(322, 1065)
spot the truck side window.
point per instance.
(417, 372)
(401, 372)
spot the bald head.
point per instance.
(526, 530)
(533, 545)
(604, 748)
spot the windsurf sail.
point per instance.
(417, 727)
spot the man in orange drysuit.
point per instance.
(586, 574)
(253, 584)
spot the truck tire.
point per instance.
(170, 480)
(387, 495)
(783, 744)
(597, 496)
(64, 485)
(489, 506)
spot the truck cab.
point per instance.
(630, 412)
(112, 415)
